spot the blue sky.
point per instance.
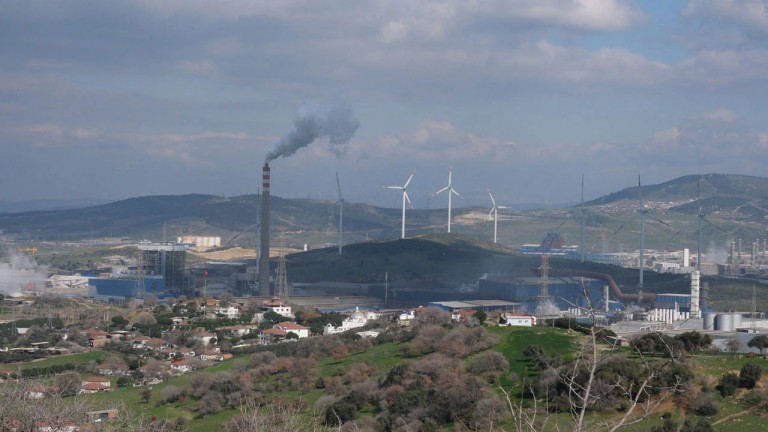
(127, 98)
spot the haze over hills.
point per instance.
(734, 206)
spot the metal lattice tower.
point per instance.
(544, 278)
(281, 285)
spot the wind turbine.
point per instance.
(495, 213)
(643, 213)
(341, 214)
(451, 191)
(701, 218)
(404, 188)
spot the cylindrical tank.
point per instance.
(709, 321)
(724, 322)
(736, 318)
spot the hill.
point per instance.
(734, 206)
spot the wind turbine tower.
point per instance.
(451, 191)
(582, 218)
(495, 214)
(341, 215)
(404, 188)
(643, 211)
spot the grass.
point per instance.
(513, 340)
(77, 359)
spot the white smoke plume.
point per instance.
(547, 308)
(333, 119)
(716, 254)
(21, 272)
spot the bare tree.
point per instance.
(654, 380)
(279, 416)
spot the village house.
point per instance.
(292, 327)
(277, 306)
(517, 320)
(228, 312)
(182, 366)
(95, 385)
(356, 320)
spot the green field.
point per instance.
(76, 359)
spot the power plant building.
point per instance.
(166, 260)
(565, 292)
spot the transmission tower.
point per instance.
(544, 278)
(282, 276)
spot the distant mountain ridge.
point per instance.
(737, 204)
(686, 188)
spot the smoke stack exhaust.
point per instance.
(264, 286)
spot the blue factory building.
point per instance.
(121, 290)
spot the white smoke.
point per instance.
(715, 254)
(21, 272)
(547, 308)
(333, 119)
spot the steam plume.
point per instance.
(333, 119)
(19, 273)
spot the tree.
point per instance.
(340, 352)
(146, 395)
(226, 298)
(150, 302)
(145, 319)
(760, 342)
(119, 321)
(68, 383)
(694, 341)
(734, 344)
(728, 384)
(749, 375)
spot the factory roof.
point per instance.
(492, 303)
(453, 304)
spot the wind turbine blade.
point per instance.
(441, 190)
(409, 179)
(450, 175)
(490, 213)
(407, 198)
(711, 224)
(338, 184)
(503, 207)
(456, 193)
(659, 221)
(491, 195)
(393, 187)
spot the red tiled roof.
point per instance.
(289, 325)
(96, 379)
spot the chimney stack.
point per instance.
(264, 286)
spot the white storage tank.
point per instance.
(709, 321)
(736, 320)
(724, 322)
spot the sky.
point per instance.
(116, 99)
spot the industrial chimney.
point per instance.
(264, 287)
(695, 311)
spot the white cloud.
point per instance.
(752, 15)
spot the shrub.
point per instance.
(728, 384)
(749, 375)
(340, 412)
(704, 404)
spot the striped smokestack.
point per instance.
(264, 288)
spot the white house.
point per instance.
(292, 327)
(182, 366)
(230, 312)
(518, 320)
(356, 320)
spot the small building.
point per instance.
(182, 366)
(95, 384)
(517, 320)
(292, 327)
